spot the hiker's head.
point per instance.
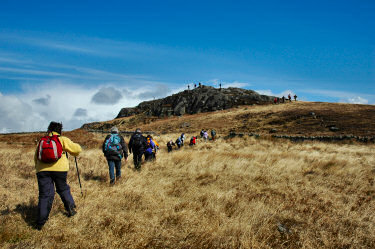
(114, 129)
(138, 130)
(54, 126)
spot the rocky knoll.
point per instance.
(201, 99)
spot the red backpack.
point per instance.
(49, 149)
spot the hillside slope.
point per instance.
(295, 118)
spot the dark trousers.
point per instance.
(149, 156)
(137, 158)
(47, 180)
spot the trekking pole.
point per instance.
(79, 179)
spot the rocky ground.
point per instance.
(202, 99)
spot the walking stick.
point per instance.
(79, 179)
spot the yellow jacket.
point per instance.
(62, 164)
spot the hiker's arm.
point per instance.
(124, 148)
(72, 148)
(103, 146)
(130, 144)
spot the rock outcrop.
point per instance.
(201, 99)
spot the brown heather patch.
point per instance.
(235, 193)
(288, 119)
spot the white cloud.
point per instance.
(270, 93)
(226, 84)
(107, 96)
(43, 101)
(344, 97)
(356, 100)
(155, 92)
(67, 103)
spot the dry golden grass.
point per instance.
(235, 193)
(288, 119)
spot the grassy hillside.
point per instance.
(296, 118)
(236, 193)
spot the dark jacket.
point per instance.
(111, 155)
(137, 149)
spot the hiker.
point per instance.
(188, 87)
(195, 86)
(201, 133)
(213, 134)
(283, 99)
(220, 86)
(200, 85)
(114, 149)
(150, 149)
(137, 145)
(170, 144)
(289, 98)
(157, 146)
(295, 97)
(178, 142)
(205, 136)
(193, 141)
(182, 137)
(52, 165)
(275, 100)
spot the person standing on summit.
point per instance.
(52, 165)
(114, 149)
(137, 145)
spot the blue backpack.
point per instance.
(113, 144)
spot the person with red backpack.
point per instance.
(52, 165)
(114, 148)
(193, 141)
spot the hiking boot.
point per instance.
(112, 182)
(118, 178)
(71, 211)
(39, 226)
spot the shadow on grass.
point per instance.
(92, 176)
(28, 212)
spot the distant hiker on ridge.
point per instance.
(178, 142)
(201, 133)
(170, 144)
(114, 149)
(205, 136)
(289, 98)
(193, 141)
(52, 165)
(188, 87)
(213, 134)
(137, 145)
(182, 137)
(295, 97)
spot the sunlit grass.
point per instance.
(233, 193)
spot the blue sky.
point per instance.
(82, 62)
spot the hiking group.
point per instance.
(193, 140)
(52, 165)
(278, 100)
